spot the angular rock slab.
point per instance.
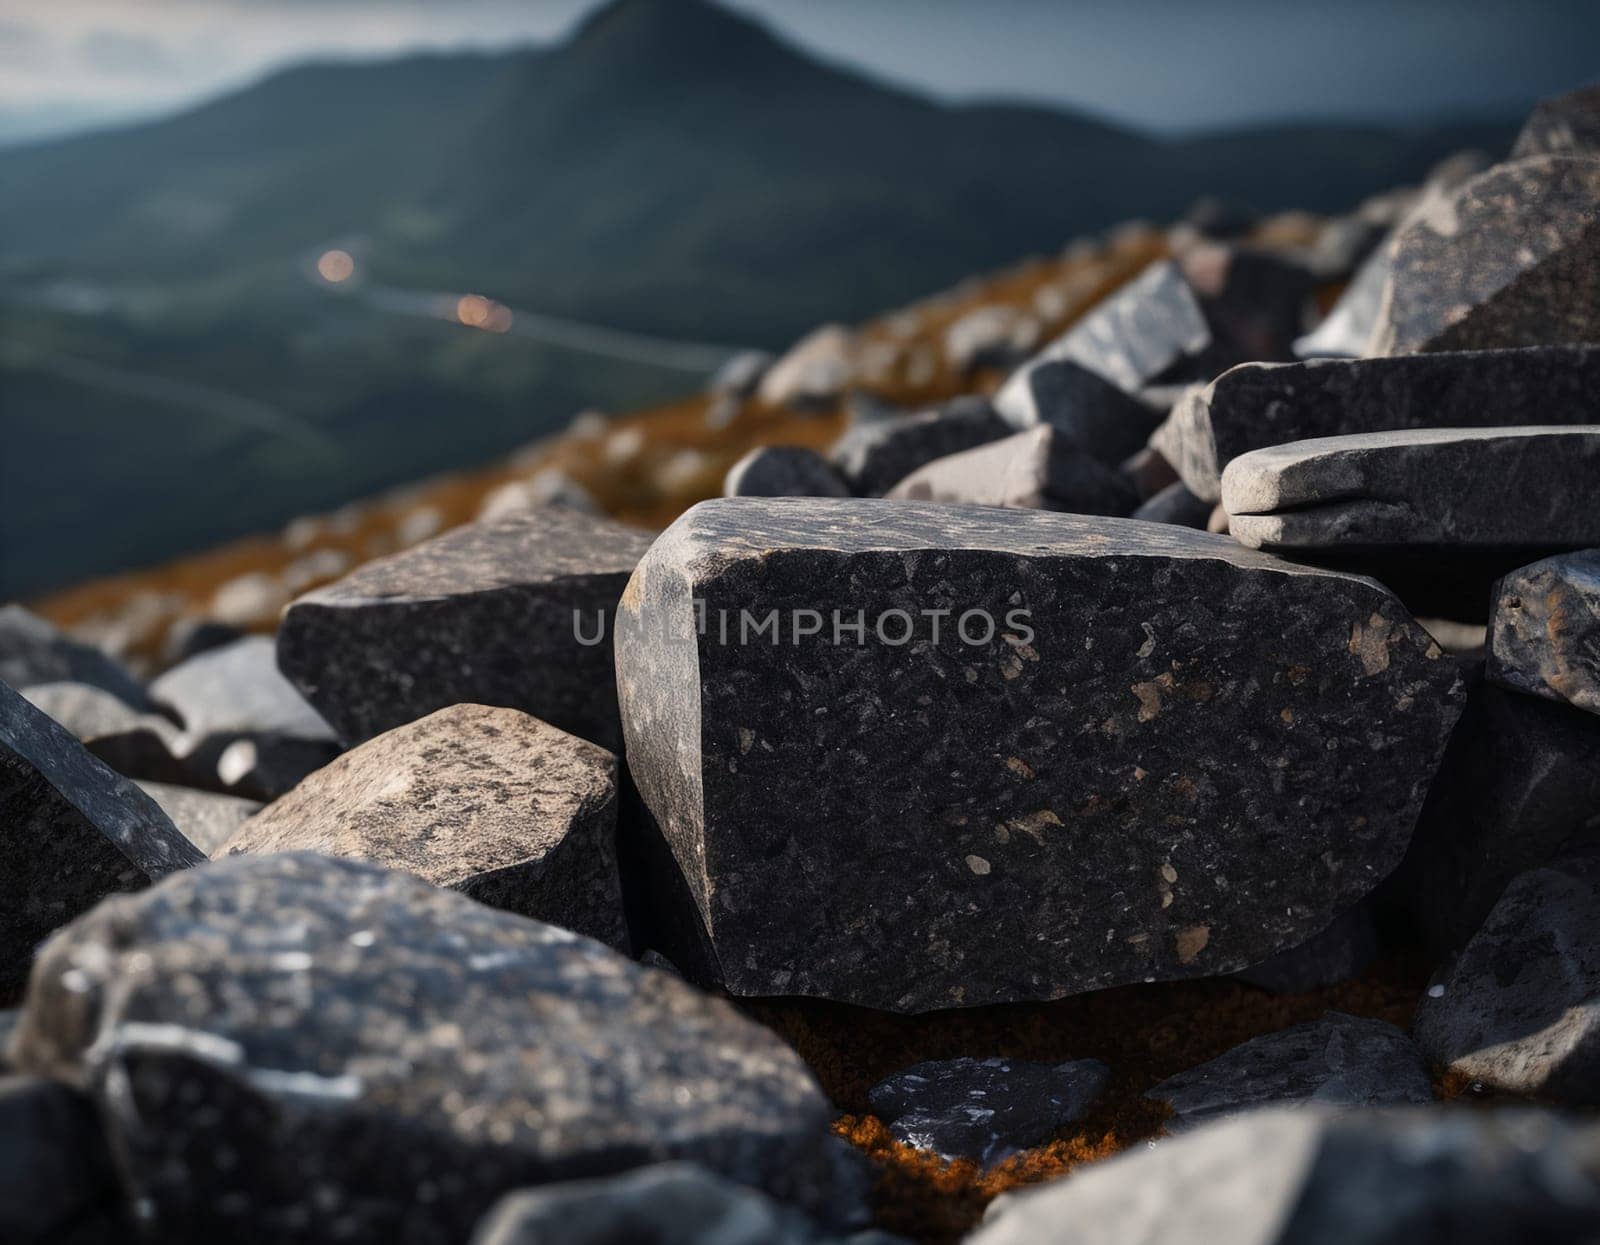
(283, 1042)
(1562, 125)
(1101, 418)
(1465, 488)
(876, 455)
(489, 614)
(1544, 630)
(1519, 1009)
(783, 471)
(33, 651)
(1512, 258)
(71, 833)
(1039, 470)
(206, 818)
(985, 1110)
(490, 802)
(1337, 1061)
(1170, 757)
(1256, 405)
(1313, 1177)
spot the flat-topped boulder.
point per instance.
(877, 454)
(1465, 488)
(1566, 125)
(1544, 630)
(514, 612)
(278, 1044)
(490, 802)
(1256, 405)
(1044, 469)
(1129, 752)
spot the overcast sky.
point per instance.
(1168, 64)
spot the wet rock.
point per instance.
(985, 1110)
(1293, 1177)
(1064, 394)
(206, 818)
(813, 373)
(1509, 488)
(135, 744)
(514, 613)
(55, 1173)
(1544, 635)
(1177, 505)
(876, 454)
(1512, 258)
(1337, 1061)
(1044, 469)
(1030, 786)
(1339, 953)
(1254, 405)
(75, 832)
(490, 802)
(1563, 125)
(783, 471)
(1519, 1009)
(282, 1041)
(33, 651)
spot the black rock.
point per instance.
(1339, 953)
(56, 1181)
(783, 471)
(206, 818)
(1258, 405)
(1099, 417)
(135, 744)
(1217, 217)
(281, 1044)
(1512, 258)
(1462, 488)
(1337, 1061)
(490, 802)
(514, 612)
(1044, 469)
(74, 832)
(1256, 304)
(985, 1110)
(1168, 757)
(1177, 505)
(189, 637)
(1544, 630)
(32, 651)
(1519, 1009)
(875, 455)
(1307, 1176)
(1562, 125)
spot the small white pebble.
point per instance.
(1436, 992)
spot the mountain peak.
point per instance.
(658, 30)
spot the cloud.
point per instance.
(124, 53)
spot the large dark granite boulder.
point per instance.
(33, 651)
(490, 802)
(515, 612)
(293, 1047)
(1544, 629)
(877, 454)
(1563, 125)
(1131, 752)
(1043, 469)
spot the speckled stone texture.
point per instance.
(1305, 1176)
(33, 651)
(1512, 258)
(1519, 1009)
(1181, 758)
(876, 455)
(985, 1110)
(481, 615)
(1104, 420)
(1256, 405)
(1043, 469)
(206, 818)
(281, 1044)
(783, 471)
(1544, 631)
(1462, 488)
(71, 833)
(490, 802)
(1337, 1061)
(55, 1174)
(1562, 125)
(135, 744)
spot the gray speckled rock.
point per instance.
(1519, 1009)
(1043, 469)
(877, 454)
(1544, 630)
(1517, 488)
(1337, 1061)
(285, 1041)
(33, 651)
(1179, 759)
(985, 1110)
(1338, 953)
(1562, 125)
(1257, 405)
(484, 614)
(55, 1174)
(1512, 258)
(71, 833)
(1175, 504)
(206, 818)
(1449, 1176)
(783, 471)
(490, 802)
(1101, 418)
(135, 744)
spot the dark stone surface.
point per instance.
(135, 744)
(1544, 629)
(490, 802)
(481, 615)
(1339, 953)
(1177, 505)
(1307, 1176)
(71, 833)
(1512, 258)
(1519, 1009)
(1185, 758)
(33, 651)
(1044, 469)
(1337, 1061)
(189, 637)
(1148, 472)
(877, 454)
(783, 471)
(281, 1043)
(206, 818)
(56, 1182)
(1102, 419)
(1257, 405)
(1256, 304)
(1562, 125)
(1461, 488)
(985, 1110)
